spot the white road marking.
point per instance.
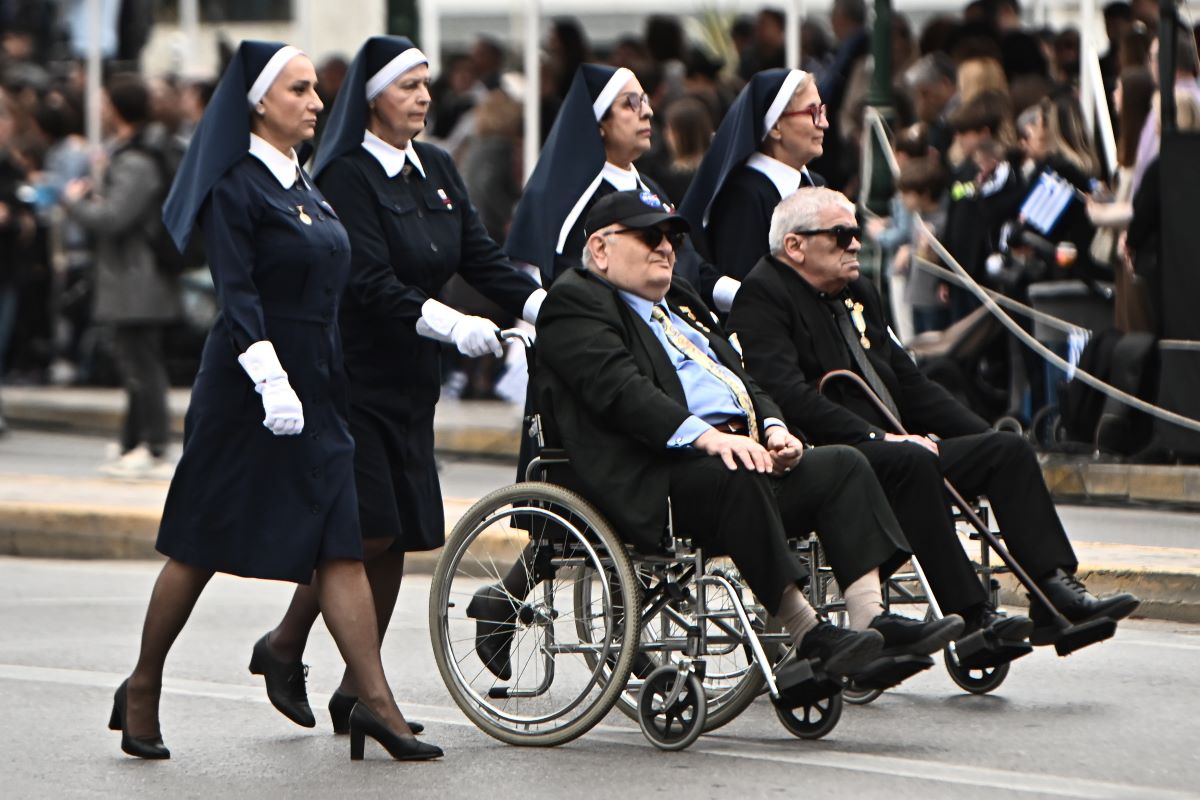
(913, 768)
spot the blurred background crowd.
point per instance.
(984, 106)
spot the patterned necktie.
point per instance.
(854, 343)
(690, 350)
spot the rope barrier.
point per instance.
(985, 297)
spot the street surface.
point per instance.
(1117, 720)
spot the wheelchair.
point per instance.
(668, 637)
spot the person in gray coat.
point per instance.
(133, 295)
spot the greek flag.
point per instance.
(1046, 203)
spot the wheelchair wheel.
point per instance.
(860, 697)
(731, 680)
(976, 681)
(560, 686)
(671, 708)
(812, 721)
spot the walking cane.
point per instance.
(1070, 637)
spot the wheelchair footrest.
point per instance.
(981, 650)
(888, 671)
(801, 685)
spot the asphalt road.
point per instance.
(1117, 720)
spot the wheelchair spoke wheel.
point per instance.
(812, 721)
(671, 708)
(503, 615)
(980, 680)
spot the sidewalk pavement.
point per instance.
(92, 517)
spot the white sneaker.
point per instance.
(137, 463)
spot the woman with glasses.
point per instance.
(759, 156)
(411, 227)
(265, 486)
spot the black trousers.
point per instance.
(139, 356)
(1001, 466)
(749, 517)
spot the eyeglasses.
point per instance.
(633, 100)
(844, 234)
(652, 237)
(816, 111)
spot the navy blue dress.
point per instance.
(410, 234)
(243, 500)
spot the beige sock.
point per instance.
(864, 600)
(795, 614)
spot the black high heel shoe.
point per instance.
(143, 747)
(340, 705)
(364, 723)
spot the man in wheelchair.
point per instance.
(802, 313)
(656, 413)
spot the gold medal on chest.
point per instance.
(305, 218)
(860, 322)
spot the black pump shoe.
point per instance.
(285, 683)
(340, 706)
(151, 748)
(364, 723)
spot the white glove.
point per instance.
(473, 336)
(284, 414)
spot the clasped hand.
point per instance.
(781, 453)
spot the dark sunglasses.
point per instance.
(634, 100)
(816, 111)
(842, 233)
(652, 237)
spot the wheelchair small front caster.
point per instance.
(812, 720)
(671, 707)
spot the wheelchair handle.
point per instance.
(1061, 621)
(526, 338)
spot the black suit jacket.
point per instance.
(791, 338)
(615, 397)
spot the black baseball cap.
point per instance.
(633, 209)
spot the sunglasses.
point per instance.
(633, 100)
(816, 111)
(844, 234)
(652, 237)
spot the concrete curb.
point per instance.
(79, 532)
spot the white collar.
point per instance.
(787, 179)
(623, 180)
(285, 168)
(389, 157)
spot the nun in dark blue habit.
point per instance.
(601, 129)
(411, 227)
(265, 486)
(758, 156)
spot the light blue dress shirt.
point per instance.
(708, 398)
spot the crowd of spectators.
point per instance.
(984, 107)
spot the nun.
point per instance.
(265, 486)
(411, 227)
(602, 128)
(758, 156)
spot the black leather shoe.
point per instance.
(840, 651)
(903, 636)
(1077, 604)
(363, 723)
(285, 683)
(148, 747)
(340, 706)
(1005, 628)
(495, 625)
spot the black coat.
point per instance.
(790, 339)
(407, 241)
(616, 398)
(243, 500)
(739, 223)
